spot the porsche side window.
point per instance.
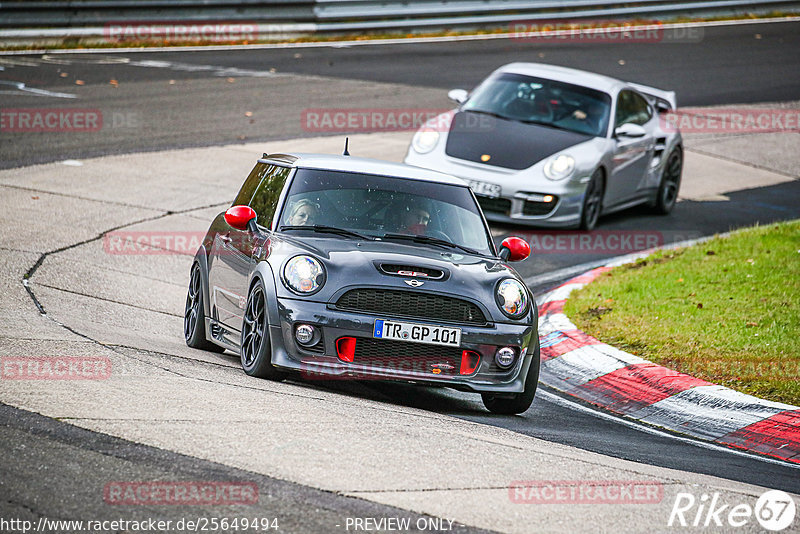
(265, 199)
(632, 108)
(250, 185)
(642, 110)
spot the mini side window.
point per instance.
(265, 199)
(251, 184)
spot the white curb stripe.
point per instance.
(554, 321)
(577, 367)
(708, 412)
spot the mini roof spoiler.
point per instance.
(661, 96)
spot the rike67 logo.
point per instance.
(774, 510)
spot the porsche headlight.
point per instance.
(425, 140)
(559, 167)
(512, 298)
(303, 275)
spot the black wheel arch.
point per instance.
(201, 259)
(264, 273)
(604, 175)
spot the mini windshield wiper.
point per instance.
(431, 241)
(322, 229)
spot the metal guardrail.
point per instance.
(81, 18)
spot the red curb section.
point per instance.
(636, 386)
(563, 342)
(778, 436)
(630, 388)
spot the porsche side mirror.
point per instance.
(459, 96)
(514, 249)
(630, 130)
(663, 107)
(239, 217)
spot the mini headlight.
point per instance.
(512, 298)
(559, 167)
(303, 274)
(424, 140)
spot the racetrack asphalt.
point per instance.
(128, 307)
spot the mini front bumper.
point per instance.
(325, 365)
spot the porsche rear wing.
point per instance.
(660, 96)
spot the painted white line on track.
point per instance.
(565, 403)
(33, 91)
(376, 42)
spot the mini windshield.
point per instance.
(386, 208)
(555, 104)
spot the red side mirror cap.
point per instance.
(514, 249)
(239, 216)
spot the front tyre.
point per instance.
(256, 349)
(194, 316)
(670, 183)
(592, 201)
(519, 402)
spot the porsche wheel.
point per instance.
(592, 201)
(256, 349)
(519, 402)
(670, 183)
(194, 317)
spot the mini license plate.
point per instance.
(484, 188)
(417, 333)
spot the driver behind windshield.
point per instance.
(412, 219)
(303, 213)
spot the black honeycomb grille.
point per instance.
(411, 304)
(407, 357)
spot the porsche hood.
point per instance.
(505, 143)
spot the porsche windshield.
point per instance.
(537, 100)
(372, 206)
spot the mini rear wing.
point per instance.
(660, 96)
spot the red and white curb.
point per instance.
(581, 366)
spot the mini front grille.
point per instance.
(407, 357)
(411, 304)
(494, 205)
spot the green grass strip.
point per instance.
(727, 310)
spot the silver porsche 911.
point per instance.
(556, 147)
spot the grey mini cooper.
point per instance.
(342, 267)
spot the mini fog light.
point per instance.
(505, 357)
(304, 334)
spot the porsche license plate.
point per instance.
(417, 333)
(484, 188)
